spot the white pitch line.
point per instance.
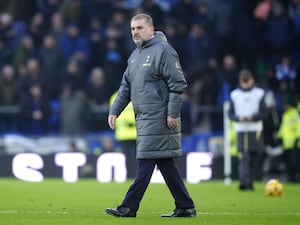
(145, 213)
(8, 212)
(42, 212)
(249, 213)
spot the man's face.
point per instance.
(247, 83)
(141, 31)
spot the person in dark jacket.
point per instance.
(35, 111)
(154, 82)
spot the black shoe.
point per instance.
(121, 211)
(181, 213)
(244, 187)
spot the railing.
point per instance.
(10, 109)
(196, 111)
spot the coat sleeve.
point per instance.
(174, 77)
(123, 97)
(262, 110)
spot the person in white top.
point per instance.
(247, 109)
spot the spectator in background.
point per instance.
(118, 20)
(204, 89)
(33, 76)
(98, 93)
(227, 78)
(262, 10)
(96, 38)
(97, 89)
(270, 80)
(247, 42)
(6, 54)
(223, 15)
(73, 146)
(35, 110)
(280, 96)
(57, 28)
(294, 14)
(229, 71)
(270, 139)
(76, 12)
(151, 7)
(8, 6)
(174, 38)
(11, 30)
(114, 32)
(271, 120)
(289, 133)
(9, 93)
(122, 35)
(199, 50)
(38, 29)
(9, 96)
(203, 16)
(279, 33)
(103, 9)
(74, 110)
(108, 144)
(114, 62)
(75, 45)
(24, 51)
(247, 109)
(20, 10)
(48, 8)
(285, 70)
(204, 92)
(183, 12)
(7, 32)
(74, 74)
(52, 63)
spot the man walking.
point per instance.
(154, 82)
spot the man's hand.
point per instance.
(112, 121)
(245, 118)
(173, 123)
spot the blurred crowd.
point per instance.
(61, 60)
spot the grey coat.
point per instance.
(154, 82)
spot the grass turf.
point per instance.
(58, 203)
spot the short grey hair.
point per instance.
(148, 19)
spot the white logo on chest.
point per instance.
(147, 61)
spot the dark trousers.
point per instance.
(250, 146)
(172, 177)
(291, 157)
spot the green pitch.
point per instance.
(54, 202)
